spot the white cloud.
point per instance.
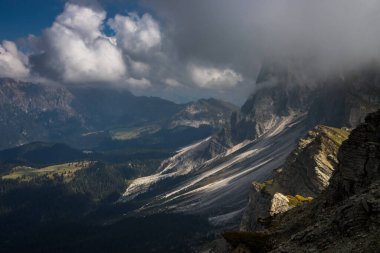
(79, 51)
(139, 83)
(211, 77)
(13, 63)
(136, 35)
(83, 20)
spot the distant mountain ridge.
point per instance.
(82, 116)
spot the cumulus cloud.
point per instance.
(13, 63)
(210, 77)
(76, 50)
(134, 34)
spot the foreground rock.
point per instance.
(344, 218)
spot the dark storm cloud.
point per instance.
(245, 32)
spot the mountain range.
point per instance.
(131, 166)
(85, 116)
(213, 176)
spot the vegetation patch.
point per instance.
(337, 135)
(298, 199)
(264, 184)
(65, 171)
(269, 182)
(123, 134)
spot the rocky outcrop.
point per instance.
(344, 218)
(306, 172)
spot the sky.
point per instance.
(179, 49)
(18, 20)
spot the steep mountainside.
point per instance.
(214, 177)
(305, 174)
(214, 183)
(344, 218)
(333, 101)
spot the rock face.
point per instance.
(308, 169)
(359, 159)
(344, 218)
(283, 91)
(306, 172)
(262, 204)
(280, 94)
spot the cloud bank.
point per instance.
(246, 33)
(199, 48)
(76, 50)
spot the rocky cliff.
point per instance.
(280, 93)
(305, 173)
(344, 218)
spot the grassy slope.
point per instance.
(67, 170)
